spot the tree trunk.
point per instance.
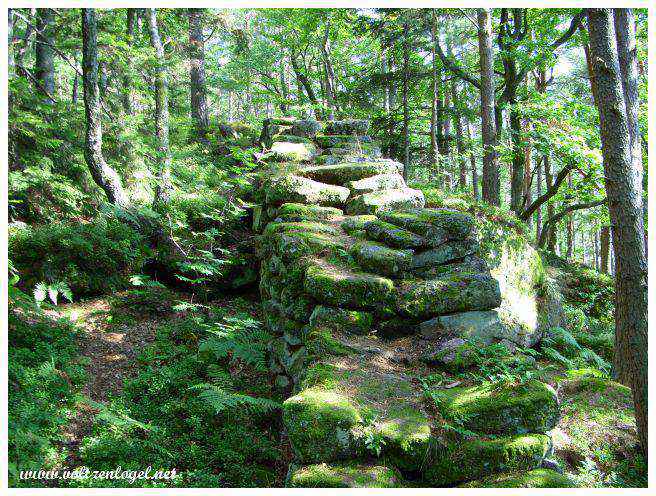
(604, 241)
(283, 85)
(538, 212)
(434, 154)
(570, 228)
(472, 160)
(548, 178)
(74, 94)
(164, 186)
(44, 67)
(460, 147)
(517, 178)
(128, 86)
(10, 41)
(104, 176)
(624, 189)
(446, 123)
(491, 181)
(329, 75)
(197, 87)
(406, 113)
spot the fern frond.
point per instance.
(220, 399)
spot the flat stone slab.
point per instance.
(378, 182)
(285, 151)
(295, 212)
(447, 252)
(538, 478)
(297, 189)
(458, 293)
(392, 235)
(477, 325)
(343, 288)
(437, 226)
(389, 199)
(501, 408)
(346, 172)
(380, 259)
(342, 320)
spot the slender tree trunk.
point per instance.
(329, 75)
(406, 113)
(552, 234)
(604, 241)
(447, 123)
(128, 86)
(472, 160)
(283, 85)
(44, 68)
(164, 186)
(104, 176)
(10, 41)
(460, 146)
(624, 189)
(595, 241)
(517, 178)
(198, 89)
(74, 94)
(538, 212)
(570, 227)
(434, 154)
(491, 180)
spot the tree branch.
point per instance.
(574, 25)
(454, 67)
(553, 189)
(557, 217)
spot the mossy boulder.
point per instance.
(465, 460)
(437, 226)
(346, 172)
(342, 320)
(302, 227)
(355, 223)
(538, 478)
(295, 212)
(344, 288)
(319, 423)
(307, 128)
(458, 293)
(380, 259)
(291, 246)
(290, 138)
(482, 326)
(296, 189)
(389, 199)
(284, 151)
(501, 408)
(378, 182)
(448, 252)
(392, 235)
(342, 475)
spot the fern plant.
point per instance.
(52, 291)
(221, 399)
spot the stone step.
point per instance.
(342, 287)
(503, 409)
(448, 252)
(329, 141)
(285, 151)
(296, 189)
(341, 320)
(295, 212)
(458, 293)
(345, 172)
(349, 126)
(380, 259)
(392, 235)
(380, 201)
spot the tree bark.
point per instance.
(198, 91)
(128, 86)
(551, 232)
(10, 41)
(406, 113)
(570, 228)
(538, 211)
(491, 180)
(624, 189)
(460, 146)
(44, 67)
(472, 160)
(434, 154)
(329, 75)
(104, 176)
(604, 241)
(164, 186)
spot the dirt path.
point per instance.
(111, 353)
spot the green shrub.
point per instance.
(43, 380)
(91, 259)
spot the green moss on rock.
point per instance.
(436, 225)
(501, 408)
(378, 258)
(474, 459)
(342, 320)
(538, 478)
(318, 422)
(296, 212)
(378, 182)
(458, 293)
(302, 227)
(448, 252)
(296, 189)
(392, 235)
(343, 288)
(346, 172)
(355, 223)
(351, 474)
(389, 199)
(285, 151)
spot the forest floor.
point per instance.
(109, 353)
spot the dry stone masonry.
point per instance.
(365, 290)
